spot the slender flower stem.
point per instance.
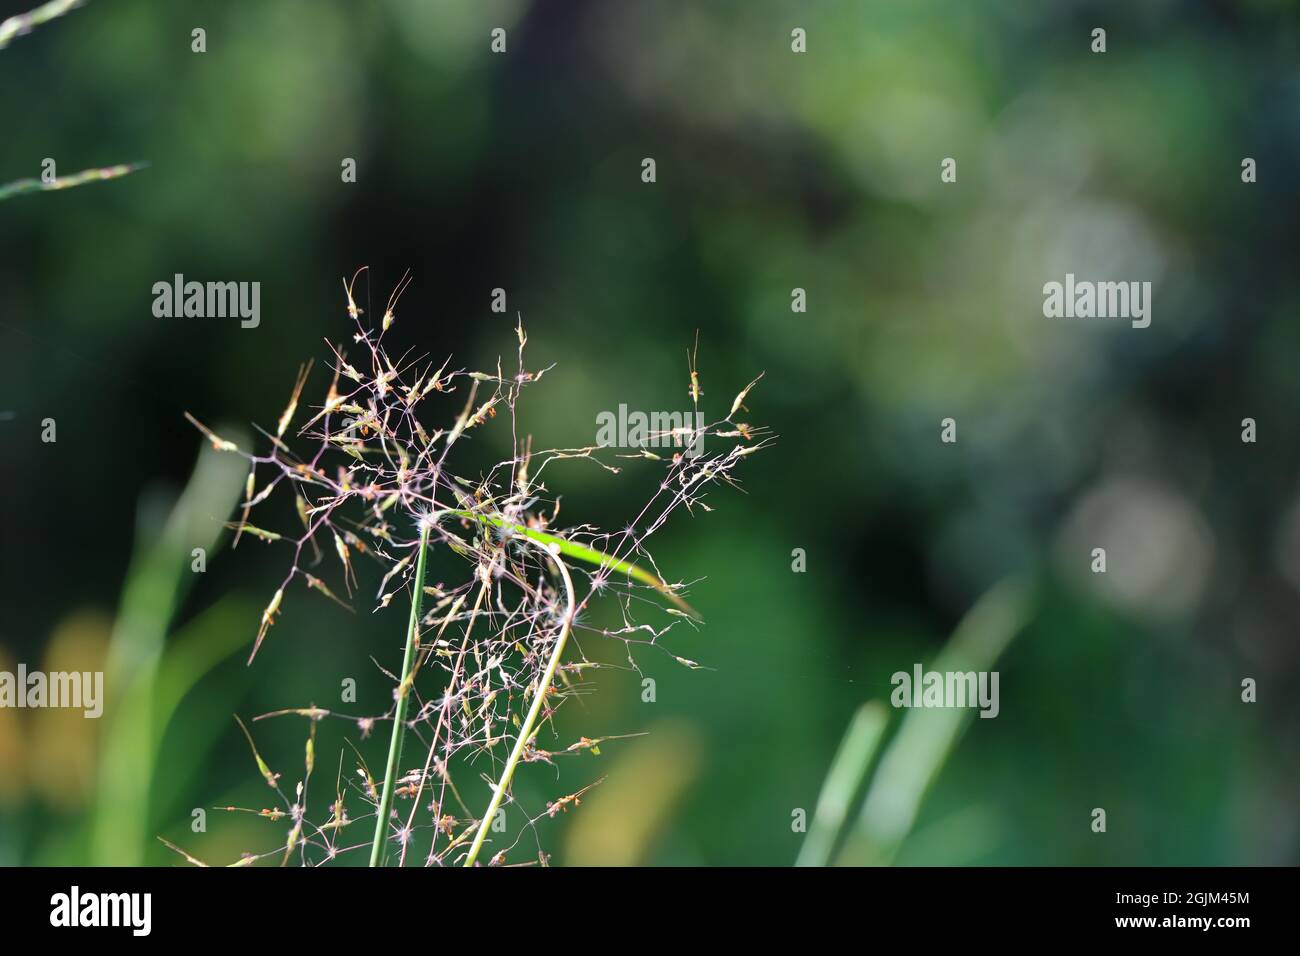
(526, 731)
(399, 717)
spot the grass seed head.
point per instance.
(376, 473)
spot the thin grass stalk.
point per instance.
(399, 717)
(526, 731)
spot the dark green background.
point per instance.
(775, 171)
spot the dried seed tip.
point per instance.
(694, 391)
(318, 585)
(405, 281)
(301, 505)
(268, 618)
(739, 402)
(175, 849)
(271, 778)
(342, 550)
(314, 713)
(243, 527)
(248, 504)
(218, 443)
(293, 400)
(353, 312)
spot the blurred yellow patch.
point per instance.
(13, 761)
(63, 741)
(620, 819)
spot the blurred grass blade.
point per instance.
(848, 769)
(213, 637)
(158, 576)
(917, 752)
(22, 23)
(20, 186)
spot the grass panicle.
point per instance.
(377, 488)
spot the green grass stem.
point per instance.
(377, 849)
